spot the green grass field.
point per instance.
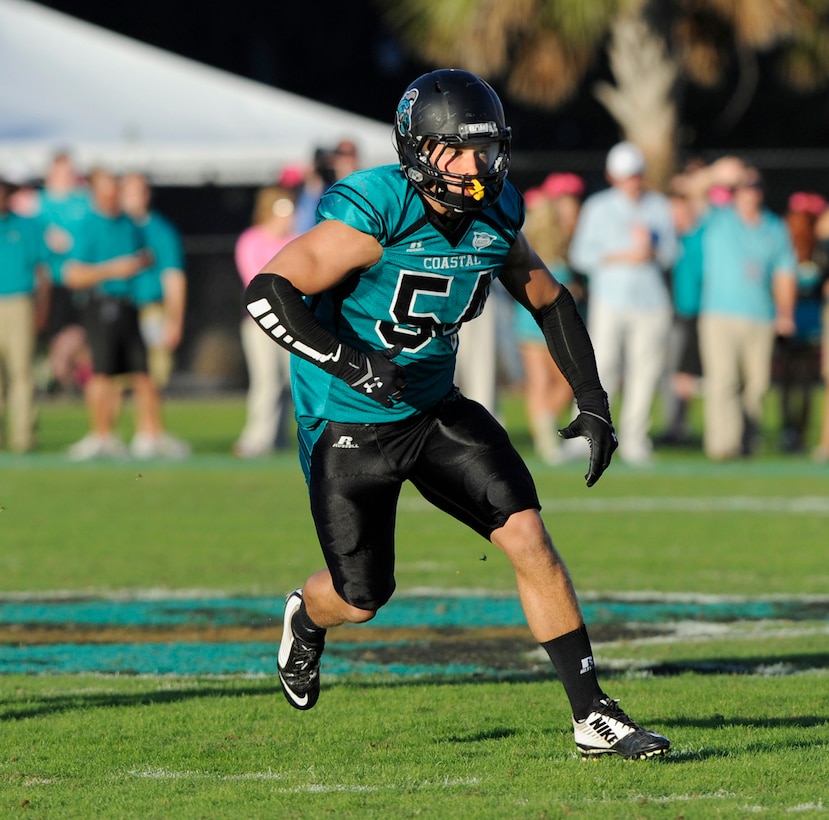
(745, 702)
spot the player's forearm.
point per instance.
(571, 349)
(278, 308)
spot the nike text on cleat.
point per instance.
(298, 662)
(607, 730)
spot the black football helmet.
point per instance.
(446, 108)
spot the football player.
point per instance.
(369, 301)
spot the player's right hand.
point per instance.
(377, 376)
(600, 436)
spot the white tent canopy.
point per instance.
(114, 101)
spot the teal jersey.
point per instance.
(22, 249)
(164, 243)
(424, 287)
(100, 238)
(61, 217)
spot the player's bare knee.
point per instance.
(524, 536)
(357, 615)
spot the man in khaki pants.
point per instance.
(749, 289)
(22, 253)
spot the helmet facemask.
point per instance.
(434, 177)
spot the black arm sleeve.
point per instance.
(572, 351)
(278, 308)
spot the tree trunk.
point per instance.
(642, 101)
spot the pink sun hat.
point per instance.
(563, 184)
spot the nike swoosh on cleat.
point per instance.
(297, 699)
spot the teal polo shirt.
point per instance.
(22, 249)
(100, 238)
(164, 242)
(740, 262)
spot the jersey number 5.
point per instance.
(412, 328)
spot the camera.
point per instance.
(324, 165)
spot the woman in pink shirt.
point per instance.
(269, 390)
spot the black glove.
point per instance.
(376, 375)
(600, 436)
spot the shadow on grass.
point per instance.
(771, 666)
(32, 705)
(498, 733)
(39, 705)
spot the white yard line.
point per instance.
(792, 505)
(305, 788)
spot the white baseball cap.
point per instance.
(625, 160)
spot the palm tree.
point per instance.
(541, 51)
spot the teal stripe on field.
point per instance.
(471, 611)
(196, 659)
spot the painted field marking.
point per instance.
(309, 788)
(440, 609)
(200, 637)
(169, 774)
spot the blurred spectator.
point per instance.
(798, 355)
(708, 185)
(684, 370)
(748, 294)
(160, 292)
(269, 397)
(625, 242)
(62, 204)
(552, 213)
(109, 250)
(329, 166)
(24, 280)
(476, 363)
(821, 451)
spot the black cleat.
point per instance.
(607, 730)
(298, 662)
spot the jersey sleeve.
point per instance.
(365, 201)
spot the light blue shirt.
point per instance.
(740, 262)
(607, 224)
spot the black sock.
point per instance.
(573, 659)
(305, 629)
(680, 420)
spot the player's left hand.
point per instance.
(600, 436)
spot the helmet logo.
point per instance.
(404, 111)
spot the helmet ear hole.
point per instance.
(450, 107)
